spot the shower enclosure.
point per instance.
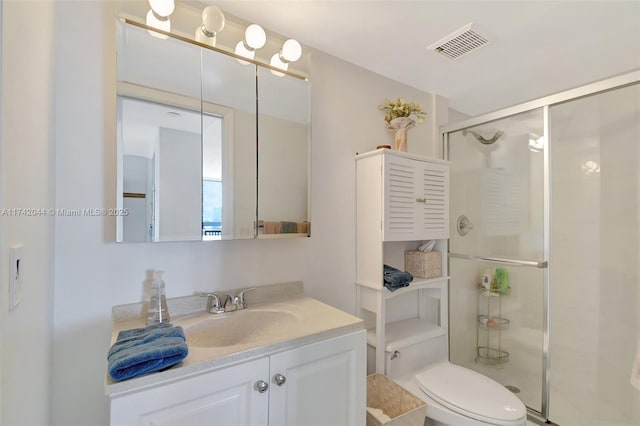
(545, 199)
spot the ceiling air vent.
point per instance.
(459, 43)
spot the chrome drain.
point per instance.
(513, 389)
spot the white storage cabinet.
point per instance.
(402, 199)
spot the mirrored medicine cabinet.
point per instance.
(208, 147)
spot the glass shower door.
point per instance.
(498, 229)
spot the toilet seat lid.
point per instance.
(471, 394)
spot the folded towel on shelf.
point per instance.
(301, 228)
(394, 278)
(271, 227)
(288, 227)
(145, 350)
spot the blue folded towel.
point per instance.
(394, 278)
(145, 350)
(288, 227)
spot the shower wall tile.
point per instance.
(574, 245)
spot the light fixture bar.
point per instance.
(213, 48)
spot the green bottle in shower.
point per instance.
(501, 280)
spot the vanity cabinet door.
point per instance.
(324, 383)
(226, 397)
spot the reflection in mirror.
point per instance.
(225, 81)
(283, 155)
(194, 161)
(161, 192)
(178, 132)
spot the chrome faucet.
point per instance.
(213, 304)
(237, 300)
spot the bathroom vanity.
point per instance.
(288, 359)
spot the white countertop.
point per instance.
(312, 321)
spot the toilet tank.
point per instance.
(401, 360)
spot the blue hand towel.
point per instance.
(145, 350)
(288, 227)
(394, 278)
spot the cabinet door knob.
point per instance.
(262, 386)
(421, 200)
(279, 379)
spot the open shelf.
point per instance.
(416, 284)
(401, 334)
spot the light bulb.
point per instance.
(201, 37)
(277, 62)
(212, 19)
(154, 22)
(162, 8)
(242, 51)
(255, 36)
(291, 50)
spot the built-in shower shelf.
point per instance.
(487, 322)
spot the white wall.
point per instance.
(93, 273)
(26, 174)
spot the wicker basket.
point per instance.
(423, 264)
(402, 407)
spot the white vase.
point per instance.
(401, 125)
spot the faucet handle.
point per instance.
(241, 296)
(213, 303)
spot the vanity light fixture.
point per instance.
(254, 39)
(153, 21)
(162, 8)
(213, 21)
(158, 16)
(291, 51)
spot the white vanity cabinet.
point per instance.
(319, 383)
(402, 199)
(220, 398)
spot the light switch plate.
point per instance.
(16, 279)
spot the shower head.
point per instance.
(482, 139)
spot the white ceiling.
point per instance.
(537, 47)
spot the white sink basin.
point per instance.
(237, 328)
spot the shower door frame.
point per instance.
(545, 103)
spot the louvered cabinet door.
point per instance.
(433, 210)
(415, 200)
(400, 179)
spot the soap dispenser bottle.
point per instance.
(158, 311)
(487, 279)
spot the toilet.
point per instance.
(454, 395)
(461, 397)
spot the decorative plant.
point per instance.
(400, 108)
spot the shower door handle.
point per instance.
(541, 265)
